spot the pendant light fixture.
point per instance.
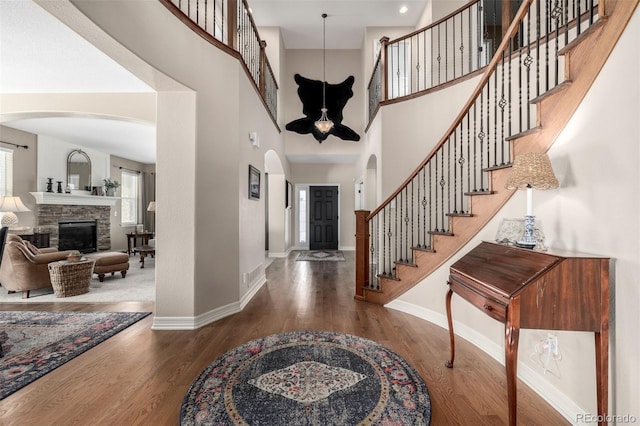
(324, 125)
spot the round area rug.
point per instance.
(308, 378)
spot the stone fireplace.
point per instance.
(53, 208)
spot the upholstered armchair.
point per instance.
(24, 268)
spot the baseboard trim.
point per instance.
(558, 400)
(253, 289)
(192, 323)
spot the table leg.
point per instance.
(449, 363)
(602, 373)
(511, 337)
(142, 255)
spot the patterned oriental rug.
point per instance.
(35, 343)
(322, 255)
(308, 378)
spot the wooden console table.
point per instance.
(538, 290)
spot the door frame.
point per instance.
(299, 186)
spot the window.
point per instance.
(6, 173)
(302, 216)
(129, 199)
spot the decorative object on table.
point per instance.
(296, 377)
(320, 120)
(67, 189)
(8, 206)
(49, 184)
(254, 183)
(36, 343)
(531, 171)
(110, 187)
(97, 190)
(321, 256)
(59, 186)
(512, 230)
(74, 256)
(152, 206)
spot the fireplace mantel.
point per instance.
(73, 199)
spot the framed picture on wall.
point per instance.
(254, 183)
(288, 192)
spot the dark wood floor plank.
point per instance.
(139, 376)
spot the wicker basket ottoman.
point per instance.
(109, 262)
(70, 278)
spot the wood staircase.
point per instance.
(584, 57)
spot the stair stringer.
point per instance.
(583, 61)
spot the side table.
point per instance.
(132, 240)
(71, 278)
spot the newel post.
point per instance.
(362, 253)
(232, 24)
(263, 67)
(384, 87)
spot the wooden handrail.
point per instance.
(511, 32)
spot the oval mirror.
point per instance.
(79, 170)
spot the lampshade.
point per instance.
(152, 206)
(532, 170)
(9, 205)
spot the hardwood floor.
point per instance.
(139, 376)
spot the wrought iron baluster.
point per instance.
(461, 162)
(481, 136)
(475, 146)
(412, 211)
(546, 44)
(439, 57)
(442, 184)
(436, 192)
(527, 63)
(455, 174)
(424, 207)
(399, 198)
(430, 203)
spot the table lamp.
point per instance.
(531, 171)
(9, 205)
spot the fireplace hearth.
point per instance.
(78, 235)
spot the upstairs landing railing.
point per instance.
(456, 46)
(230, 26)
(525, 66)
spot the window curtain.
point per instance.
(148, 194)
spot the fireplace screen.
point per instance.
(78, 235)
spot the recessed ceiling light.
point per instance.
(404, 9)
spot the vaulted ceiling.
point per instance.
(39, 54)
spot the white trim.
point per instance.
(564, 405)
(193, 323)
(253, 289)
(73, 199)
(280, 254)
(347, 248)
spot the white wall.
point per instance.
(213, 153)
(594, 211)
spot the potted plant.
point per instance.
(110, 187)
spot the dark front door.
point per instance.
(323, 218)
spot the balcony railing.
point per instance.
(462, 43)
(230, 26)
